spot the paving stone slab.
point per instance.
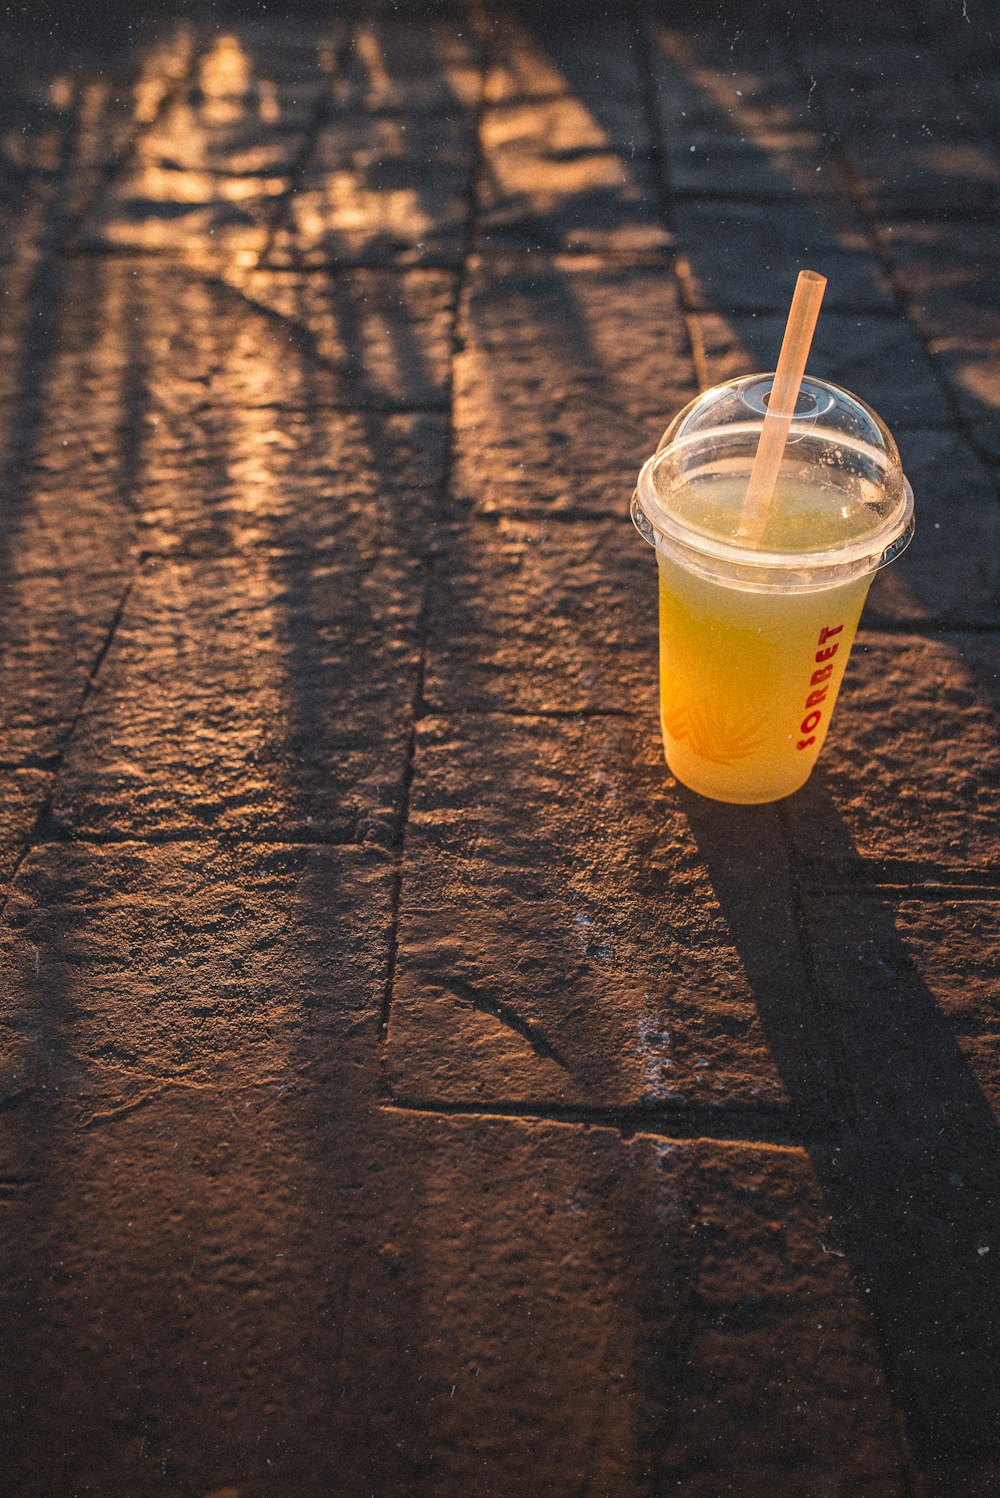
(926, 967)
(532, 56)
(364, 337)
(253, 92)
(981, 86)
(24, 793)
(135, 341)
(205, 177)
(260, 139)
(735, 119)
(294, 1306)
(925, 178)
(563, 389)
(36, 129)
(201, 217)
(408, 63)
(911, 769)
(130, 971)
(531, 616)
(248, 696)
(55, 626)
(69, 111)
(67, 559)
(561, 942)
(885, 87)
(745, 256)
(736, 85)
(28, 207)
(120, 98)
(909, 995)
(197, 415)
(949, 274)
(950, 571)
(970, 372)
(881, 359)
(552, 180)
(702, 164)
(950, 1474)
(381, 189)
(365, 485)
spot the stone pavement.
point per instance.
(408, 1091)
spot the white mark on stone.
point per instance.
(653, 1048)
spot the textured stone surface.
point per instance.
(24, 793)
(541, 617)
(205, 176)
(546, 377)
(56, 626)
(736, 124)
(386, 1323)
(421, 62)
(951, 571)
(911, 769)
(366, 485)
(949, 274)
(67, 559)
(133, 971)
(134, 341)
(559, 939)
(744, 256)
(553, 180)
(249, 696)
(330, 349)
(921, 177)
(594, 62)
(969, 371)
(917, 963)
(903, 983)
(381, 189)
(363, 337)
(887, 87)
(881, 357)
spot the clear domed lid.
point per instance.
(841, 505)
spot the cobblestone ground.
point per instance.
(408, 1091)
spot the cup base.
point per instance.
(732, 797)
(769, 800)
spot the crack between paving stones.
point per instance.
(643, 53)
(165, 837)
(769, 1128)
(423, 620)
(44, 813)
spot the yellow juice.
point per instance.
(748, 679)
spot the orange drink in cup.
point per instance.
(759, 606)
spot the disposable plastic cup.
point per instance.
(754, 638)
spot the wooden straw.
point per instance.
(799, 330)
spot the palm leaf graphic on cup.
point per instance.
(721, 714)
(719, 731)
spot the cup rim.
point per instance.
(718, 557)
